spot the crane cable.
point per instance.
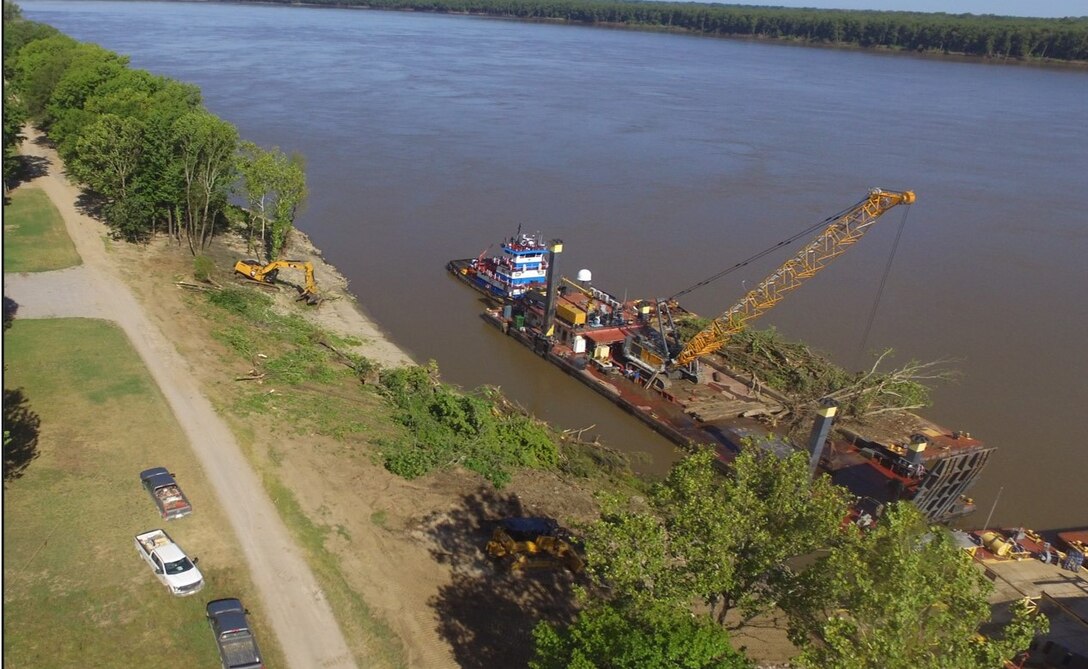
(883, 281)
(807, 231)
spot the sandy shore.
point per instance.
(341, 312)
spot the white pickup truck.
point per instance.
(170, 564)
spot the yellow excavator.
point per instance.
(533, 543)
(253, 270)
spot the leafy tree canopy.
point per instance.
(900, 596)
(613, 636)
(721, 540)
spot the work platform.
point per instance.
(1060, 593)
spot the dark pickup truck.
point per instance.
(237, 647)
(162, 487)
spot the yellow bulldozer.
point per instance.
(254, 270)
(533, 543)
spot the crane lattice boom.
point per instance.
(843, 231)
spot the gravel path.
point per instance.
(290, 596)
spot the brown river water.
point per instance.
(660, 160)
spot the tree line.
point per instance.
(152, 158)
(986, 36)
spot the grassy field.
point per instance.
(75, 591)
(34, 236)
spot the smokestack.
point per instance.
(554, 247)
(825, 416)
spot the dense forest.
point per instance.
(997, 37)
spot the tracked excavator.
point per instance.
(533, 543)
(253, 270)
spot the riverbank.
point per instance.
(341, 312)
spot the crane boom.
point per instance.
(844, 230)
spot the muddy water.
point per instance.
(660, 160)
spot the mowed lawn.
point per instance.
(35, 239)
(76, 593)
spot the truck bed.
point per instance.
(171, 500)
(149, 541)
(239, 650)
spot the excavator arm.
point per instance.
(839, 235)
(253, 270)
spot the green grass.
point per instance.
(34, 236)
(75, 591)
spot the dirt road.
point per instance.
(290, 596)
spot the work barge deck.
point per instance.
(636, 353)
(590, 336)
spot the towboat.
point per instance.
(522, 266)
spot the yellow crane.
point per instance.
(844, 229)
(266, 274)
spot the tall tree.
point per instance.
(275, 186)
(89, 66)
(291, 192)
(107, 153)
(12, 11)
(206, 148)
(37, 68)
(14, 118)
(900, 596)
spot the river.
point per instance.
(660, 160)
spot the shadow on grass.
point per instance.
(21, 427)
(486, 613)
(24, 169)
(11, 307)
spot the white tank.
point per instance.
(585, 276)
(579, 344)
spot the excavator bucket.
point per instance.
(310, 298)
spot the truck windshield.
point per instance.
(179, 566)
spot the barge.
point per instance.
(621, 349)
